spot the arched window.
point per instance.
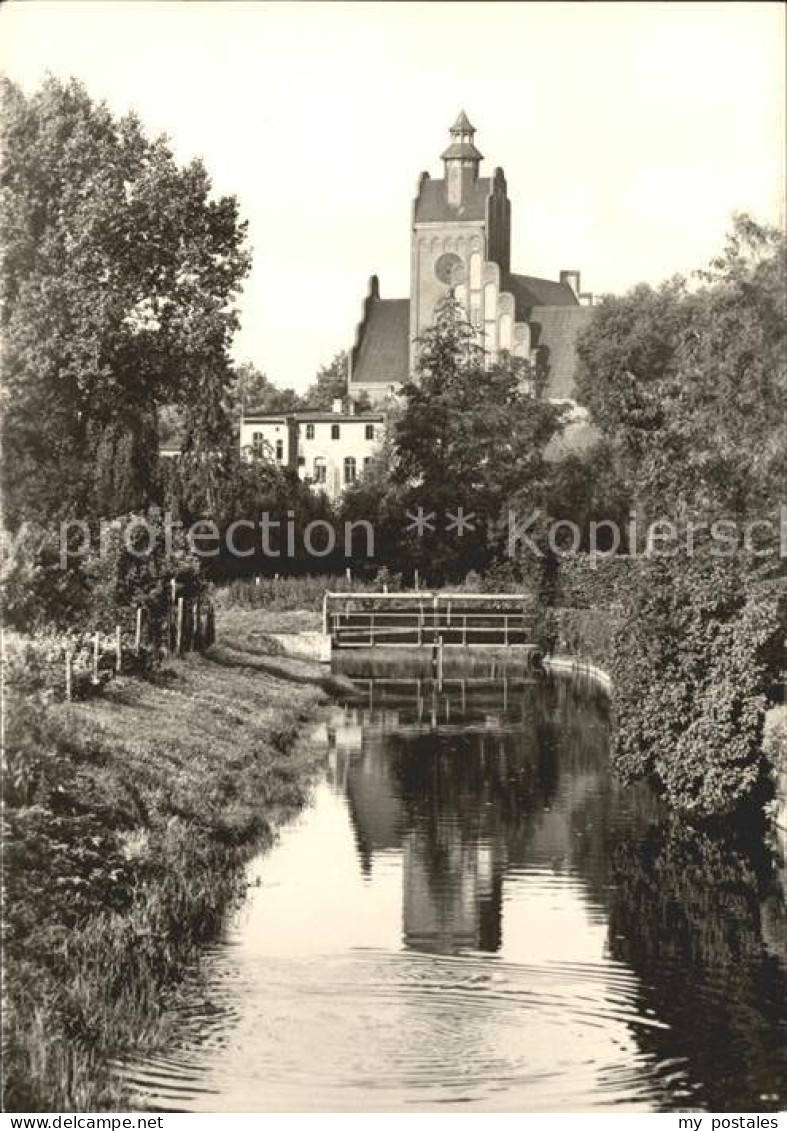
(475, 271)
(350, 473)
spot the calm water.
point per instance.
(474, 914)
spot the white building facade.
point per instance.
(329, 450)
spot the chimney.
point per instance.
(351, 407)
(337, 404)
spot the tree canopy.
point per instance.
(470, 434)
(119, 277)
(689, 383)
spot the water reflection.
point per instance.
(474, 911)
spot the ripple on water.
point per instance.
(407, 1029)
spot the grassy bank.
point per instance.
(128, 821)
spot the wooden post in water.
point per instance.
(138, 633)
(69, 674)
(95, 657)
(179, 632)
(173, 597)
(118, 649)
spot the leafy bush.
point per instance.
(691, 662)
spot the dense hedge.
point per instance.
(693, 655)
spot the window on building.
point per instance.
(257, 443)
(320, 470)
(369, 431)
(280, 450)
(366, 461)
(309, 431)
(350, 473)
(335, 432)
(301, 461)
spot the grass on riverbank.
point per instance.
(128, 822)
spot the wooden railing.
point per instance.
(422, 619)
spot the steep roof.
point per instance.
(432, 203)
(383, 356)
(462, 123)
(555, 329)
(530, 291)
(461, 149)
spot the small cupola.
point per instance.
(461, 160)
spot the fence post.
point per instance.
(173, 596)
(198, 625)
(138, 636)
(325, 614)
(69, 674)
(118, 649)
(464, 630)
(371, 629)
(348, 573)
(416, 580)
(95, 657)
(179, 632)
(440, 662)
(505, 631)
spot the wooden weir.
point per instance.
(425, 619)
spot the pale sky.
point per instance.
(628, 133)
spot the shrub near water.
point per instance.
(692, 661)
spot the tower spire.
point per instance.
(461, 160)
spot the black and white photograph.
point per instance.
(394, 575)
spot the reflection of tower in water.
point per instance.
(452, 891)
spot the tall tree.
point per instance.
(689, 385)
(472, 435)
(253, 389)
(119, 276)
(330, 384)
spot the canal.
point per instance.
(474, 914)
